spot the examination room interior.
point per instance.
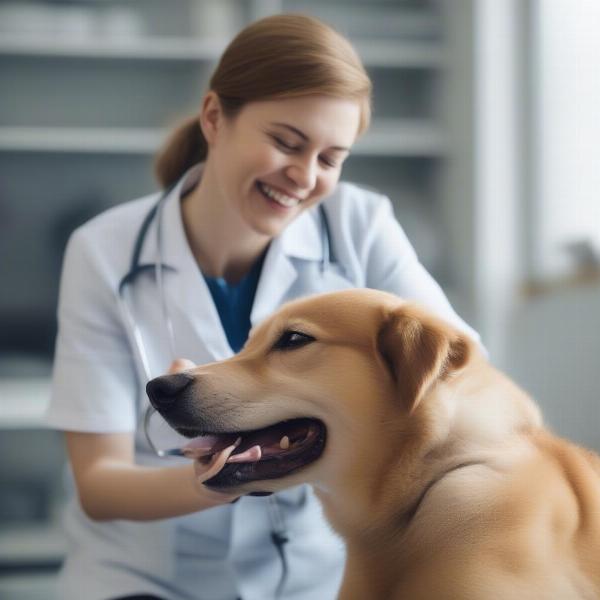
(484, 135)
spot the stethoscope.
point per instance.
(279, 535)
(135, 268)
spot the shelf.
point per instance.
(155, 48)
(392, 137)
(29, 586)
(391, 20)
(31, 545)
(580, 278)
(375, 53)
(81, 139)
(401, 137)
(410, 54)
(24, 402)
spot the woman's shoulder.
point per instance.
(103, 244)
(122, 220)
(353, 196)
(355, 202)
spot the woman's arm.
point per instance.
(92, 346)
(111, 486)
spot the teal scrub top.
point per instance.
(234, 303)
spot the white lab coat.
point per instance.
(98, 386)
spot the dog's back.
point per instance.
(528, 530)
(506, 509)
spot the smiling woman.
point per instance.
(284, 56)
(274, 135)
(236, 233)
(272, 161)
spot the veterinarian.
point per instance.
(252, 214)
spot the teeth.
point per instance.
(284, 443)
(280, 198)
(251, 455)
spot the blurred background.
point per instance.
(485, 136)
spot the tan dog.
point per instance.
(432, 465)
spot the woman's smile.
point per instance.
(287, 152)
(277, 196)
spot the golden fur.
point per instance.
(437, 470)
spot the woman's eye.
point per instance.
(291, 340)
(283, 144)
(328, 161)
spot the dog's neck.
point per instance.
(370, 573)
(426, 453)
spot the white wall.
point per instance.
(554, 353)
(566, 103)
(537, 184)
(497, 183)
(553, 344)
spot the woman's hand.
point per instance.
(205, 470)
(112, 486)
(206, 467)
(180, 364)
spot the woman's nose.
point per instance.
(303, 173)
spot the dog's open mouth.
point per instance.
(261, 454)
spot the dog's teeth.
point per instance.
(284, 443)
(251, 455)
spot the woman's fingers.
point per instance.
(180, 364)
(206, 464)
(207, 467)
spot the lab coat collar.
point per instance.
(302, 239)
(174, 244)
(187, 290)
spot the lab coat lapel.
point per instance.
(277, 276)
(299, 242)
(196, 322)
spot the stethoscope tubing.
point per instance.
(278, 527)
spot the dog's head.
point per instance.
(319, 386)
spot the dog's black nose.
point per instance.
(163, 391)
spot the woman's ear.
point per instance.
(419, 350)
(211, 116)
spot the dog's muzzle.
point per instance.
(285, 446)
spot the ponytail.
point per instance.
(184, 148)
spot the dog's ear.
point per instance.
(419, 351)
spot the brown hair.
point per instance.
(282, 56)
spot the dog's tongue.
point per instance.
(206, 445)
(262, 443)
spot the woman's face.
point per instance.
(277, 158)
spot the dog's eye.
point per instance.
(290, 340)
